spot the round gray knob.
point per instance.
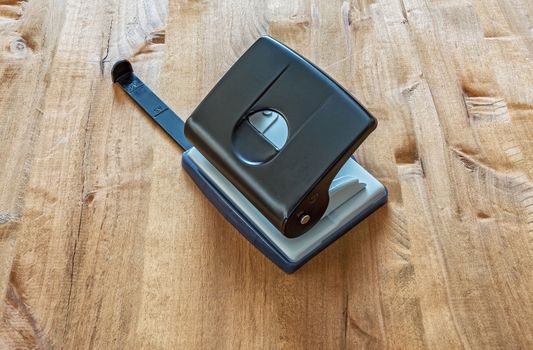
(304, 219)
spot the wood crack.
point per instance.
(345, 314)
(404, 12)
(104, 59)
(86, 145)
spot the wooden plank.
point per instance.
(106, 243)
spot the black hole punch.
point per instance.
(121, 70)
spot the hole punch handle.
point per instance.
(122, 73)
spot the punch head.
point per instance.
(280, 129)
(121, 69)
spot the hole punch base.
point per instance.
(288, 254)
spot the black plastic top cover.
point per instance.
(289, 185)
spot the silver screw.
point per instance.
(304, 219)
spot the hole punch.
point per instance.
(271, 147)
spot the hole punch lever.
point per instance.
(122, 73)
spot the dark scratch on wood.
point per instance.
(86, 145)
(104, 59)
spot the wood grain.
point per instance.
(106, 243)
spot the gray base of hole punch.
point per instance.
(354, 195)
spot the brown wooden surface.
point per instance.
(106, 243)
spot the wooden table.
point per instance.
(106, 243)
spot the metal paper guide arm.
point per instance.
(122, 73)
